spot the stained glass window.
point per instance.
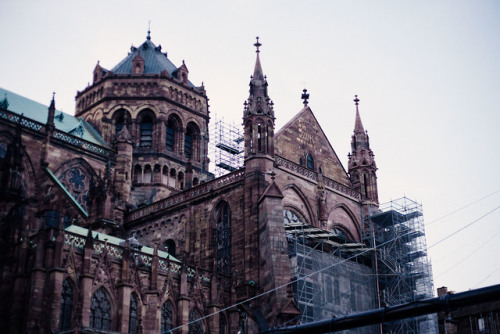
(132, 318)
(195, 327)
(66, 306)
(166, 317)
(100, 310)
(224, 239)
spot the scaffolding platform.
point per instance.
(404, 272)
(226, 148)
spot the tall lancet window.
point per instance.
(132, 317)
(259, 138)
(66, 306)
(100, 311)
(310, 162)
(195, 327)
(166, 317)
(224, 239)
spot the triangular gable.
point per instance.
(303, 135)
(67, 194)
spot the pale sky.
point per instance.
(427, 74)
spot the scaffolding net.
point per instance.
(404, 272)
(330, 279)
(226, 148)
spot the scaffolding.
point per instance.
(333, 276)
(404, 272)
(226, 148)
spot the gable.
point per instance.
(302, 136)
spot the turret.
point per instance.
(258, 120)
(362, 167)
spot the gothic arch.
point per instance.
(98, 303)
(222, 234)
(173, 131)
(168, 313)
(340, 216)
(120, 116)
(192, 141)
(291, 190)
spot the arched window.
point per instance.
(365, 179)
(310, 162)
(100, 311)
(301, 162)
(121, 118)
(170, 137)
(259, 138)
(195, 327)
(66, 306)
(195, 181)
(146, 132)
(251, 139)
(180, 178)
(188, 142)
(290, 217)
(224, 239)
(132, 317)
(170, 247)
(147, 176)
(138, 174)
(166, 317)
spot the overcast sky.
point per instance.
(427, 74)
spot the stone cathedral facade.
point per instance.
(110, 220)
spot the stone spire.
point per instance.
(258, 102)
(362, 167)
(358, 125)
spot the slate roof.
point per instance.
(63, 122)
(154, 61)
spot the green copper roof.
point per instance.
(63, 122)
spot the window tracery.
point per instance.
(224, 239)
(195, 327)
(166, 317)
(132, 318)
(100, 311)
(66, 307)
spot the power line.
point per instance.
(463, 228)
(461, 208)
(338, 263)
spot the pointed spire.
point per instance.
(257, 73)
(358, 126)
(52, 110)
(258, 101)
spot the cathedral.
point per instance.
(111, 220)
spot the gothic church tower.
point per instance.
(155, 118)
(362, 167)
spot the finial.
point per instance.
(257, 45)
(356, 100)
(53, 95)
(305, 96)
(149, 30)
